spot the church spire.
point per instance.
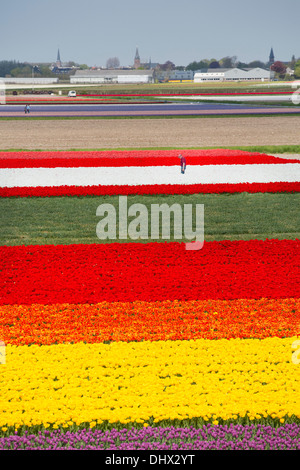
(58, 61)
(137, 60)
(271, 57)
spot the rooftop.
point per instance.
(112, 72)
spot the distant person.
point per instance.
(25, 109)
(28, 108)
(182, 163)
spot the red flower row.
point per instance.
(32, 154)
(196, 94)
(56, 100)
(48, 191)
(132, 158)
(149, 271)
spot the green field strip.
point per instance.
(179, 116)
(67, 220)
(268, 149)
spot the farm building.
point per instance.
(112, 76)
(220, 74)
(29, 81)
(174, 75)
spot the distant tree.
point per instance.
(27, 70)
(167, 66)
(214, 64)
(45, 71)
(234, 60)
(297, 69)
(83, 66)
(71, 63)
(242, 65)
(192, 66)
(256, 63)
(6, 66)
(202, 64)
(113, 63)
(279, 68)
(228, 62)
(22, 71)
(293, 61)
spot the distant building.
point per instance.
(289, 71)
(271, 57)
(233, 74)
(59, 68)
(143, 65)
(137, 60)
(30, 81)
(112, 76)
(58, 61)
(174, 75)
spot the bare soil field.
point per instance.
(120, 133)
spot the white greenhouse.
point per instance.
(234, 74)
(112, 76)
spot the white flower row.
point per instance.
(207, 174)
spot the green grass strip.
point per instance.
(269, 149)
(67, 220)
(179, 116)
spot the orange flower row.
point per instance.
(161, 320)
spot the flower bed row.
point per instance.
(150, 321)
(197, 94)
(116, 154)
(142, 158)
(149, 382)
(150, 176)
(149, 271)
(48, 191)
(209, 437)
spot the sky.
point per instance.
(182, 31)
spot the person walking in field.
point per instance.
(182, 163)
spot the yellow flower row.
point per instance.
(76, 383)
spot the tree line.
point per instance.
(278, 67)
(231, 62)
(23, 69)
(13, 68)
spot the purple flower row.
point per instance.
(209, 437)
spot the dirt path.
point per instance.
(68, 134)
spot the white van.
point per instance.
(72, 94)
